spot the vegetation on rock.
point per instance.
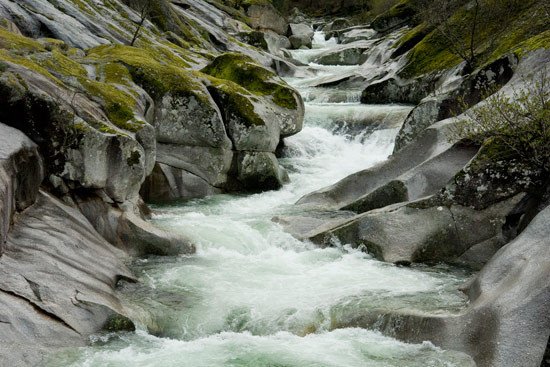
(475, 34)
(516, 127)
(245, 72)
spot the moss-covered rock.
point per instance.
(117, 323)
(398, 15)
(521, 28)
(242, 70)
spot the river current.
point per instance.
(255, 296)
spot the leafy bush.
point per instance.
(519, 125)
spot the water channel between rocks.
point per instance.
(253, 295)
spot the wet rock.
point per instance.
(507, 323)
(124, 227)
(396, 90)
(265, 16)
(300, 41)
(53, 289)
(354, 35)
(260, 171)
(423, 168)
(167, 183)
(351, 54)
(422, 231)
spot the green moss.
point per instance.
(59, 64)
(243, 71)
(534, 43)
(17, 43)
(430, 54)
(51, 44)
(118, 105)
(119, 323)
(158, 74)
(115, 73)
(234, 101)
(519, 30)
(27, 63)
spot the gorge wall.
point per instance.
(92, 127)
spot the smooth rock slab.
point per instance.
(21, 173)
(406, 233)
(57, 279)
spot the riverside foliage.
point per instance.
(518, 124)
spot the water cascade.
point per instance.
(255, 296)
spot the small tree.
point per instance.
(144, 9)
(459, 32)
(519, 124)
(468, 27)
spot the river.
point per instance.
(255, 296)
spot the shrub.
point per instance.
(519, 125)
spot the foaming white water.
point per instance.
(255, 296)
(340, 348)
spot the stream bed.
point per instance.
(255, 296)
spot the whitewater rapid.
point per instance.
(255, 296)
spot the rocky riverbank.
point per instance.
(104, 108)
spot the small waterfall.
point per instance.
(255, 296)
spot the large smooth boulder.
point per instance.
(350, 54)
(21, 174)
(397, 90)
(398, 15)
(92, 134)
(354, 35)
(264, 16)
(422, 231)
(421, 168)
(457, 95)
(300, 41)
(298, 29)
(506, 324)
(53, 289)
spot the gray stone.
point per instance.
(210, 164)
(265, 16)
(21, 174)
(53, 289)
(168, 183)
(74, 149)
(124, 228)
(507, 323)
(259, 171)
(192, 119)
(406, 233)
(350, 54)
(359, 34)
(300, 41)
(423, 167)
